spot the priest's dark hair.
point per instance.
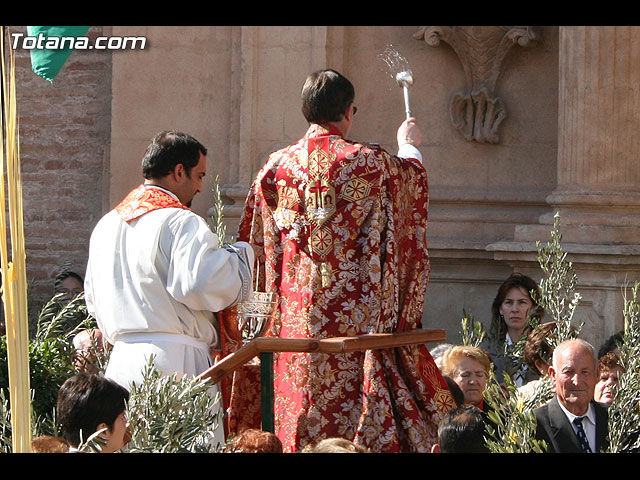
(326, 95)
(84, 402)
(168, 149)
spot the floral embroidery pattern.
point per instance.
(343, 228)
(142, 200)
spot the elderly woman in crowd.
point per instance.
(609, 370)
(469, 367)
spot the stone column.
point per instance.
(598, 191)
(598, 125)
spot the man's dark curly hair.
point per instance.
(168, 149)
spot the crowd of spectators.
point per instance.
(90, 405)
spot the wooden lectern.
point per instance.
(266, 346)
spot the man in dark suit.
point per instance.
(572, 422)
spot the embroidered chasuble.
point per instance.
(343, 227)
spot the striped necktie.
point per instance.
(584, 444)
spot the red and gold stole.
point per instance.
(143, 200)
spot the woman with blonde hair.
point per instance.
(469, 367)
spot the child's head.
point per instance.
(91, 402)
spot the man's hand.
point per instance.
(409, 132)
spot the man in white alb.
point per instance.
(156, 273)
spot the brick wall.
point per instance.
(64, 139)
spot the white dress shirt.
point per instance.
(588, 424)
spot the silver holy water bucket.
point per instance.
(255, 314)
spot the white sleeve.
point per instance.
(409, 151)
(201, 275)
(88, 290)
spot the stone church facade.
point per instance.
(519, 123)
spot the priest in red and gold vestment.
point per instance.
(343, 228)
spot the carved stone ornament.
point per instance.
(477, 112)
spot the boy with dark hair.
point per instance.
(88, 403)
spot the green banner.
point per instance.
(52, 48)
